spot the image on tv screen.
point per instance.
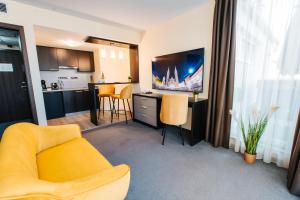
(179, 72)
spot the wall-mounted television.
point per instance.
(181, 71)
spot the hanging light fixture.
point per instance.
(103, 53)
(121, 54)
(112, 54)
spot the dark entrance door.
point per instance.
(14, 93)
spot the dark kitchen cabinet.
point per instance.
(76, 101)
(54, 104)
(47, 57)
(50, 59)
(67, 57)
(85, 61)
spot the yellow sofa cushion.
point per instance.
(69, 161)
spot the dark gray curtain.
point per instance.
(293, 182)
(220, 95)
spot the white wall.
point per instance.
(28, 16)
(80, 82)
(114, 69)
(185, 32)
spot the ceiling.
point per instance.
(45, 36)
(135, 14)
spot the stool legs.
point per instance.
(125, 110)
(103, 106)
(129, 109)
(99, 108)
(118, 110)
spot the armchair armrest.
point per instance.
(50, 136)
(112, 183)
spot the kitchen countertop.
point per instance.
(65, 89)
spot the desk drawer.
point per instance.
(146, 118)
(145, 101)
(145, 110)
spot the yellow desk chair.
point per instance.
(174, 110)
(105, 91)
(125, 94)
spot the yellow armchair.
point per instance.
(45, 163)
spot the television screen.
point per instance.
(179, 71)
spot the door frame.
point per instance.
(26, 65)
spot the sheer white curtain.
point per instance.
(268, 72)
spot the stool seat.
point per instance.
(105, 91)
(116, 96)
(105, 95)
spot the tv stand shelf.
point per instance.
(146, 109)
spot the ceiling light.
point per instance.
(72, 43)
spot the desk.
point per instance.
(94, 96)
(146, 110)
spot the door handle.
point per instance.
(24, 84)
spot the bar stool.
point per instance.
(174, 110)
(125, 94)
(105, 91)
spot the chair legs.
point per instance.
(164, 133)
(182, 139)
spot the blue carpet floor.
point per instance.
(174, 171)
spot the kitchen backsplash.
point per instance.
(70, 77)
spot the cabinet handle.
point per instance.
(144, 107)
(78, 91)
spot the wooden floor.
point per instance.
(83, 120)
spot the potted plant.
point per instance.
(129, 78)
(196, 94)
(253, 130)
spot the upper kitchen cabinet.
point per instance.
(67, 57)
(47, 57)
(85, 61)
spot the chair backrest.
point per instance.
(174, 109)
(106, 89)
(126, 92)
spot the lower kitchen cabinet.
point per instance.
(60, 103)
(54, 104)
(76, 101)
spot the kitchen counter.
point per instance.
(65, 89)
